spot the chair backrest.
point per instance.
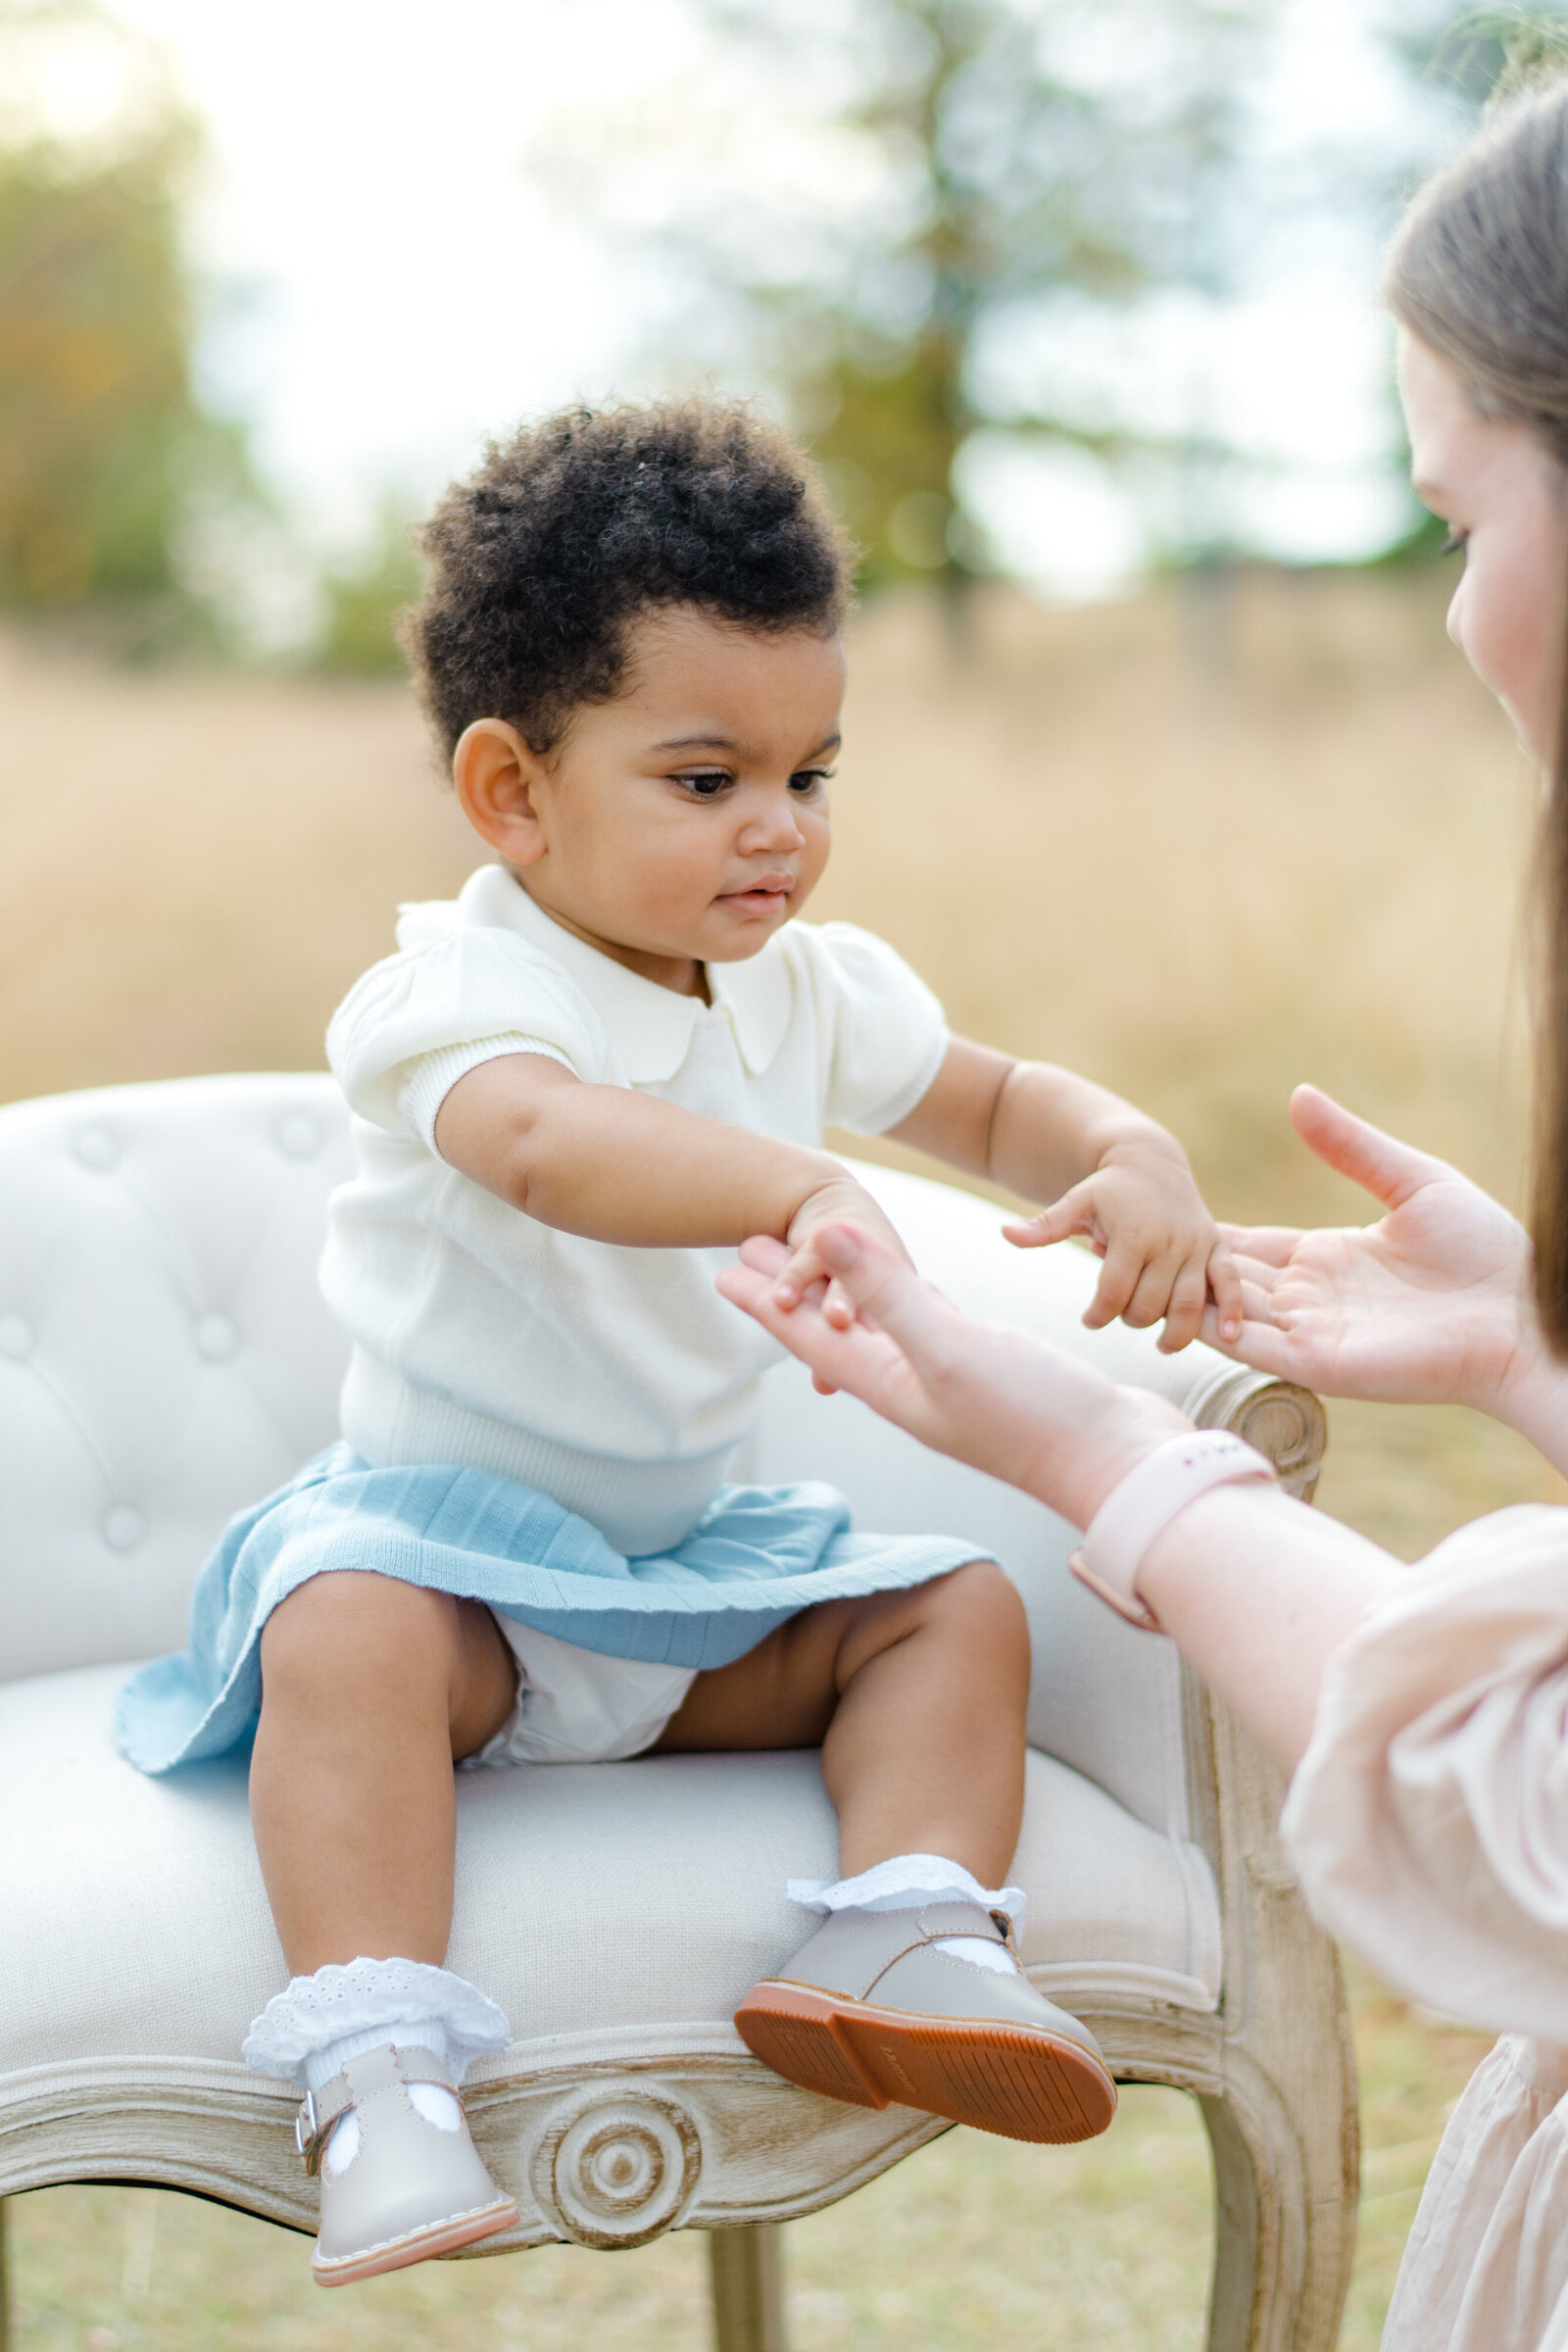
(165, 1353)
(166, 1359)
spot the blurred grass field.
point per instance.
(1200, 846)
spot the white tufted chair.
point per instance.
(164, 1359)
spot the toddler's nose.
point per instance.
(773, 828)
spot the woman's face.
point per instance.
(1504, 498)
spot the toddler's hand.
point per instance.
(1164, 1255)
(840, 1196)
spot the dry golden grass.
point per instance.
(1201, 848)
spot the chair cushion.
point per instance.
(612, 1909)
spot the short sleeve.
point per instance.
(1429, 1817)
(435, 1075)
(413, 1025)
(889, 1034)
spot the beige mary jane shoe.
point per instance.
(410, 2187)
(868, 2011)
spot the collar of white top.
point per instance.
(1143, 1504)
(652, 1026)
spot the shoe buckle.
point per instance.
(309, 2142)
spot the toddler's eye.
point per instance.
(807, 780)
(706, 782)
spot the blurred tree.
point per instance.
(363, 601)
(1459, 59)
(104, 446)
(1042, 156)
(1470, 56)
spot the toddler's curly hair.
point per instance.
(576, 526)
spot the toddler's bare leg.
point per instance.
(370, 1689)
(917, 1699)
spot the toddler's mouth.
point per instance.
(760, 897)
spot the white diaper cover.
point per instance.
(576, 1706)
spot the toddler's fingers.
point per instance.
(796, 1277)
(1153, 1293)
(1073, 1213)
(1185, 1314)
(1118, 1279)
(838, 1306)
(1225, 1283)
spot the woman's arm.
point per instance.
(1256, 1590)
(1431, 1306)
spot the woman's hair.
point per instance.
(541, 561)
(1479, 272)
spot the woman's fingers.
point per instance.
(1267, 1245)
(1391, 1171)
(803, 1328)
(888, 1297)
(886, 1291)
(1263, 1345)
(765, 1254)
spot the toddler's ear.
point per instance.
(495, 773)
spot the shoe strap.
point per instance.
(936, 1920)
(386, 2069)
(933, 1922)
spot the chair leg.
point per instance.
(1233, 2283)
(1282, 2256)
(746, 2272)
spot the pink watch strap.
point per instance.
(1146, 1501)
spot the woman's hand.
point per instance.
(988, 1395)
(1429, 1305)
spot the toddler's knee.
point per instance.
(983, 1599)
(353, 1623)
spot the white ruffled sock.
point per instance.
(907, 1883)
(310, 2030)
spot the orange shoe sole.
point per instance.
(998, 2077)
(421, 2245)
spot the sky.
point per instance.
(396, 267)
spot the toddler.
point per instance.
(576, 1088)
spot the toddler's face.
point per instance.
(685, 821)
(1505, 499)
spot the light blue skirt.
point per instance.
(757, 1556)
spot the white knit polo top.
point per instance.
(615, 1379)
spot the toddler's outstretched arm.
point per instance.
(622, 1166)
(1107, 1170)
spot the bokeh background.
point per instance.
(1157, 760)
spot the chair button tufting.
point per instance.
(299, 1136)
(123, 1527)
(97, 1147)
(17, 1338)
(218, 1338)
